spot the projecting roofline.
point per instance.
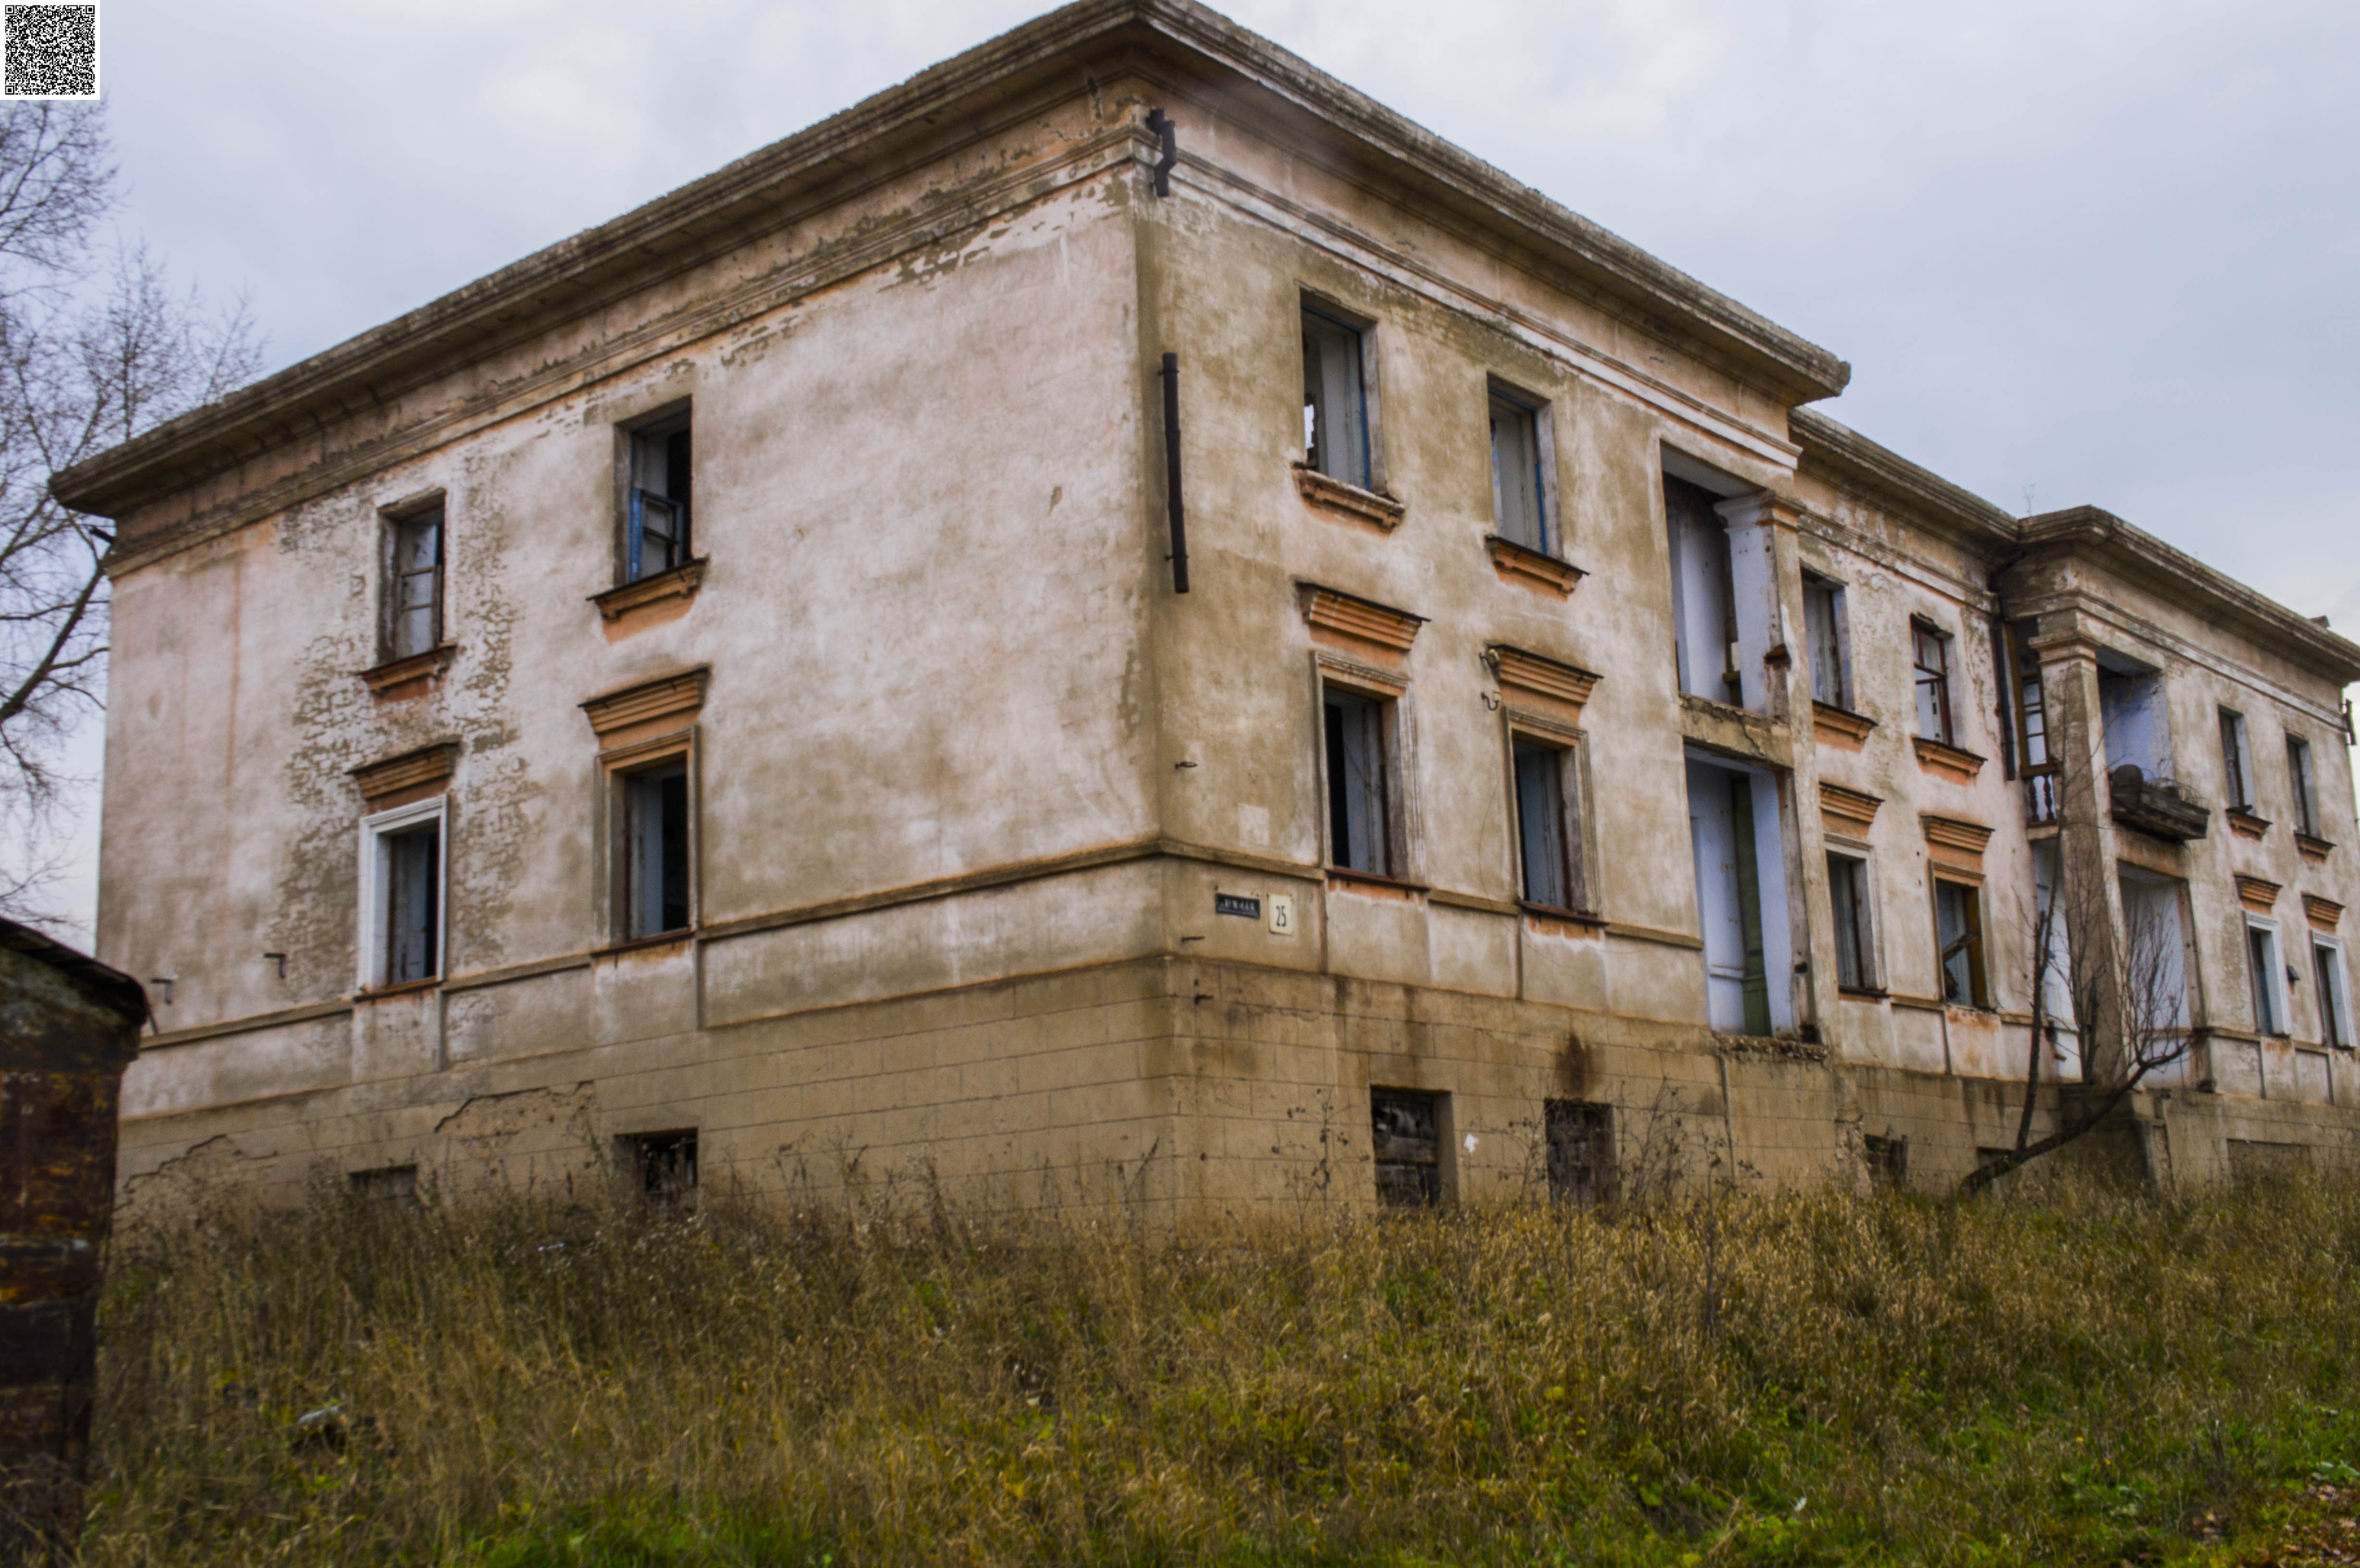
(2130, 553)
(901, 125)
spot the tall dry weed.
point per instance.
(512, 1380)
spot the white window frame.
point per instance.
(1871, 917)
(2277, 977)
(374, 831)
(1839, 630)
(2341, 1002)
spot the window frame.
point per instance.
(2302, 785)
(1312, 306)
(1535, 412)
(1866, 954)
(2272, 1018)
(1575, 845)
(2331, 980)
(1818, 587)
(1978, 970)
(1443, 1186)
(393, 520)
(1393, 740)
(619, 767)
(2238, 793)
(376, 926)
(674, 420)
(1921, 629)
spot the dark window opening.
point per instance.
(2303, 786)
(1704, 594)
(1888, 1162)
(2261, 976)
(658, 526)
(2334, 1017)
(2236, 762)
(1959, 933)
(1581, 1163)
(655, 850)
(1358, 807)
(1519, 492)
(414, 585)
(413, 869)
(1847, 896)
(1548, 829)
(1405, 1132)
(395, 1184)
(1335, 400)
(1930, 657)
(2032, 728)
(1823, 619)
(665, 1163)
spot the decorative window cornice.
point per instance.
(668, 696)
(1355, 619)
(2258, 895)
(407, 773)
(1847, 811)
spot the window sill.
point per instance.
(2245, 824)
(406, 989)
(2315, 850)
(1372, 883)
(1569, 923)
(1863, 994)
(1528, 567)
(1365, 505)
(1839, 727)
(641, 943)
(1945, 761)
(398, 679)
(678, 582)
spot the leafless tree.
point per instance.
(96, 346)
(2127, 1000)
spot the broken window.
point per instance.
(1548, 824)
(1359, 793)
(1335, 400)
(2236, 762)
(1959, 938)
(654, 885)
(1847, 897)
(1823, 618)
(1929, 649)
(413, 583)
(1519, 482)
(1405, 1134)
(401, 882)
(1704, 594)
(2334, 1003)
(665, 1163)
(1887, 1159)
(2304, 784)
(656, 535)
(394, 1184)
(2131, 707)
(2264, 977)
(2032, 727)
(1581, 1164)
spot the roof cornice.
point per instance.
(1852, 457)
(897, 127)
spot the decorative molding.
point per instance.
(680, 582)
(1355, 620)
(398, 679)
(1529, 568)
(2259, 896)
(662, 698)
(1947, 761)
(1553, 681)
(1738, 731)
(1334, 495)
(2325, 914)
(1353, 672)
(1655, 934)
(1954, 845)
(410, 770)
(1839, 727)
(2245, 824)
(1343, 879)
(1847, 811)
(2314, 850)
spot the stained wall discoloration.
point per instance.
(969, 775)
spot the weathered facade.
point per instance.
(1572, 761)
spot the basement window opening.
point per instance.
(665, 1164)
(1582, 1168)
(1406, 1133)
(1887, 1159)
(392, 1184)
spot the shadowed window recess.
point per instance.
(1929, 649)
(1335, 398)
(2264, 977)
(1358, 781)
(1406, 1136)
(2302, 785)
(1824, 620)
(1548, 825)
(1849, 901)
(2236, 763)
(1581, 1157)
(1519, 491)
(413, 583)
(655, 880)
(1959, 939)
(656, 527)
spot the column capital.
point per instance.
(1763, 506)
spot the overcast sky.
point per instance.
(2092, 251)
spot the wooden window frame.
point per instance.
(1577, 839)
(1921, 631)
(619, 767)
(1310, 307)
(1535, 412)
(392, 521)
(2331, 981)
(1834, 594)
(1978, 970)
(2271, 1014)
(2238, 793)
(631, 566)
(1866, 956)
(1391, 706)
(2302, 785)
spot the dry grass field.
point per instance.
(2078, 1379)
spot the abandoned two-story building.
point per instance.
(1119, 615)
